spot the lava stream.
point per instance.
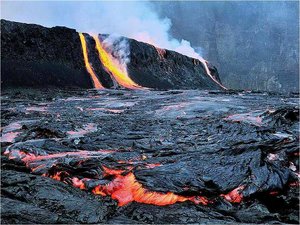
(88, 66)
(204, 63)
(113, 67)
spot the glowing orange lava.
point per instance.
(126, 189)
(235, 196)
(114, 68)
(123, 187)
(88, 66)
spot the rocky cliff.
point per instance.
(32, 55)
(255, 45)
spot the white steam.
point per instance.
(137, 20)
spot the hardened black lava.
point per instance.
(85, 156)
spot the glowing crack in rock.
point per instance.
(114, 68)
(88, 66)
(235, 196)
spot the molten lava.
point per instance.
(123, 187)
(88, 66)
(235, 196)
(126, 189)
(114, 68)
(204, 63)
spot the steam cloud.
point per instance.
(137, 20)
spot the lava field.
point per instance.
(146, 156)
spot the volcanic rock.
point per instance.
(36, 56)
(119, 156)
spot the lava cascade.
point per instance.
(204, 63)
(114, 68)
(88, 66)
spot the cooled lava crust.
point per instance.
(117, 156)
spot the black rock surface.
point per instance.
(36, 56)
(190, 143)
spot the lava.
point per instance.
(123, 187)
(87, 128)
(114, 68)
(11, 127)
(161, 52)
(204, 63)
(251, 117)
(37, 109)
(9, 137)
(116, 111)
(235, 196)
(29, 157)
(126, 189)
(88, 66)
(152, 165)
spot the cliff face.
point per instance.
(33, 55)
(257, 43)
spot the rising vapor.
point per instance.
(137, 20)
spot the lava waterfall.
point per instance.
(61, 57)
(88, 66)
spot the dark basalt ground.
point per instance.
(36, 56)
(204, 142)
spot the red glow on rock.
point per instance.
(152, 165)
(161, 52)
(116, 111)
(250, 117)
(29, 157)
(88, 128)
(235, 196)
(37, 109)
(9, 137)
(79, 183)
(294, 184)
(38, 167)
(57, 176)
(107, 171)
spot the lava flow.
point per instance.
(126, 189)
(204, 63)
(88, 66)
(123, 187)
(113, 68)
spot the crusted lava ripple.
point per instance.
(144, 156)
